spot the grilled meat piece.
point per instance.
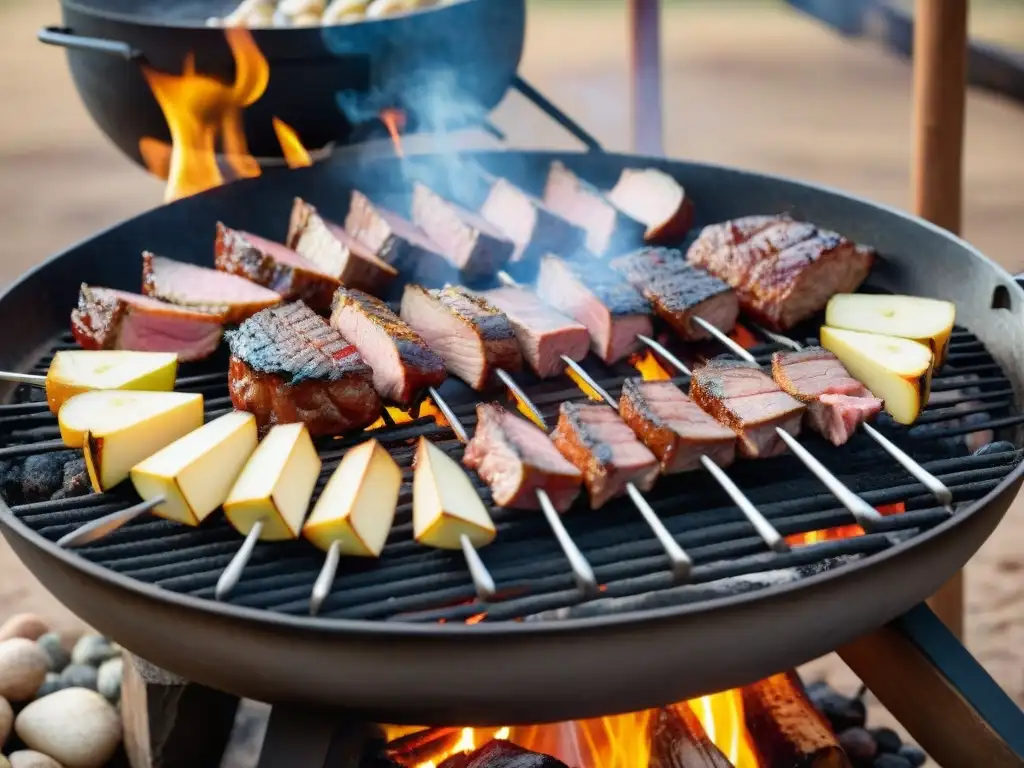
(544, 333)
(471, 336)
(289, 365)
(836, 402)
(335, 251)
(109, 319)
(784, 271)
(529, 223)
(674, 427)
(745, 399)
(515, 458)
(656, 199)
(391, 238)
(273, 266)
(605, 450)
(679, 291)
(596, 296)
(471, 244)
(228, 298)
(403, 365)
(609, 230)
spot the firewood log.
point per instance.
(786, 729)
(678, 740)
(418, 747)
(499, 753)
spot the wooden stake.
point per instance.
(940, 82)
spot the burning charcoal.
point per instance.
(421, 746)
(913, 755)
(1000, 446)
(502, 754)
(859, 745)
(43, 475)
(10, 481)
(890, 761)
(842, 712)
(76, 480)
(888, 740)
(678, 740)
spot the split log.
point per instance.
(421, 746)
(499, 753)
(678, 740)
(786, 729)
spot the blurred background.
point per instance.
(753, 84)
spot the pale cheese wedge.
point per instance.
(927, 321)
(118, 429)
(358, 503)
(445, 505)
(195, 473)
(896, 370)
(73, 372)
(276, 484)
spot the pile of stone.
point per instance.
(59, 702)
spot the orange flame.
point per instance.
(721, 714)
(842, 531)
(743, 337)
(650, 367)
(394, 121)
(427, 408)
(294, 153)
(584, 387)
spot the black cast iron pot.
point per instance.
(447, 66)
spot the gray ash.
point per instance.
(44, 477)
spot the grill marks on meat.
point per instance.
(389, 236)
(229, 298)
(109, 319)
(674, 427)
(471, 336)
(335, 251)
(837, 404)
(678, 292)
(470, 243)
(784, 271)
(605, 450)
(596, 296)
(544, 333)
(289, 365)
(656, 199)
(529, 223)
(273, 266)
(609, 230)
(403, 365)
(744, 398)
(515, 458)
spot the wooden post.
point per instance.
(940, 82)
(645, 52)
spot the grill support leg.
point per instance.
(923, 675)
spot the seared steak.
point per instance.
(674, 427)
(335, 251)
(391, 237)
(836, 402)
(544, 333)
(515, 458)
(288, 365)
(609, 230)
(529, 223)
(273, 266)
(229, 298)
(605, 450)
(784, 271)
(109, 319)
(472, 337)
(656, 199)
(745, 399)
(403, 365)
(679, 291)
(594, 295)
(471, 244)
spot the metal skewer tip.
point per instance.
(104, 526)
(778, 338)
(23, 378)
(522, 397)
(581, 570)
(662, 352)
(325, 579)
(598, 389)
(682, 565)
(735, 348)
(233, 573)
(506, 279)
(449, 415)
(764, 529)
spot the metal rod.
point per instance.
(23, 378)
(598, 389)
(645, 34)
(664, 353)
(735, 348)
(778, 338)
(549, 109)
(506, 279)
(325, 579)
(764, 529)
(233, 573)
(104, 526)
(582, 573)
(682, 564)
(510, 382)
(449, 414)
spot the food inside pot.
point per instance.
(311, 13)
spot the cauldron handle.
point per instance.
(65, 38)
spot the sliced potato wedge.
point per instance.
(73, 372)
(445, 505)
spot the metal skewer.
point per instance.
(104, 526)
(233, 573)
(23, 378)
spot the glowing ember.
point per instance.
(650, 367)
(743, 337)
(398, 416)
(427, 408)
(394, 121)
(584, 387)
(842, 531)
(526, 410)
(294, 153)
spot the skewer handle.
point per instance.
(233, 573)
(325, 579)
(23, 378)
(104, 526)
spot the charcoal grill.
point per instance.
(405, 640)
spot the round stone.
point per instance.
(26, 758)
(859, 745)
(76, 727)
(842, 712)
(55, 650)
(6, 721)
(890, 761)
(51, 684)
(26, 625)
(79, 676)
(913, 754)
(109, 679)
(1000, 446)
(93, 650)
(888, 740)
(23, 667)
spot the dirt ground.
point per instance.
(758, 87)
